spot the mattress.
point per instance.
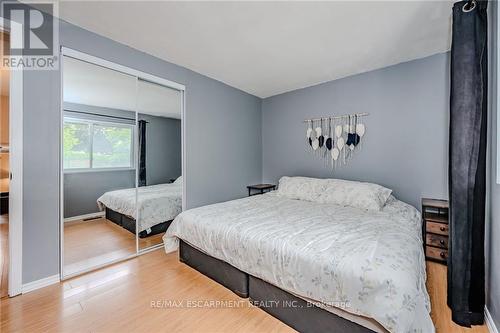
(156, 203)
(366, 263)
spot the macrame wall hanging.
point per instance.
(335, 139)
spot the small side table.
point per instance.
(260, 188)
(435, 229)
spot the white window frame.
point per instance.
(93, 123)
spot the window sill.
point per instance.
(97, 170)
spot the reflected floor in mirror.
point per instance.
(88, 244)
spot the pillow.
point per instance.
(362, 195)
(302, 188)
(178, 180)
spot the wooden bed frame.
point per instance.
(302, 316)
(128, 223)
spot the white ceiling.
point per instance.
(267, 48)
(85, 83)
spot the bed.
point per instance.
(157, 205)
(360, 268)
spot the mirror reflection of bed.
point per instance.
(159, 192)
(122, 183)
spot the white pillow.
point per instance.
(362, 195)
(178, 180)
(302, 188)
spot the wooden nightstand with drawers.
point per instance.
(435, 229)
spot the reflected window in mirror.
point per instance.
(97, 145)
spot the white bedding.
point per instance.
(371, 261)
(157, 203)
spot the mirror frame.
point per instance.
(68, 52)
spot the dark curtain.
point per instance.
(467, 164)
(142, 152)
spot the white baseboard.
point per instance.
(84, 216)
(489, 321)
(40, 283)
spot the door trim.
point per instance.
(16, 169)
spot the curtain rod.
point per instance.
(339, 117)
(98, 114)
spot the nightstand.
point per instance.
(260, 188)
(435, 229)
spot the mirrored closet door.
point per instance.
(159, 177)
(121, 172)
(99, 140)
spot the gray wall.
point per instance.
(493, 213)
(405, 145)
(163, 149)
(214, 171)
(81, 189)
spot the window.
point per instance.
(92, 144)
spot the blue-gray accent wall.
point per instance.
(405, 145)
(223, 142)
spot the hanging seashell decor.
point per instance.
(338, 137)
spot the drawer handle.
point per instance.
(442, 228)
(441, 242)
(442, 255)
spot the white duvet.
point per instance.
(368, 263)
(156, 203)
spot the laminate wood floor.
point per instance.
(92, 243)
(150, 293)
(119, 298)
(440, 312)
